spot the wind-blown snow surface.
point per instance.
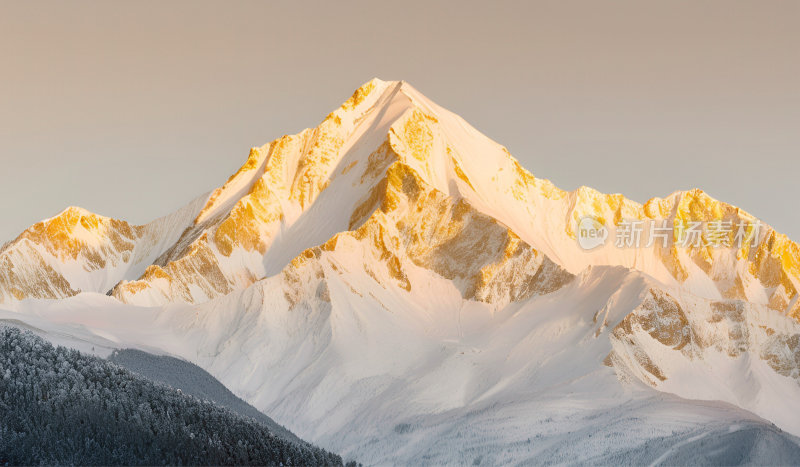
(394, 287)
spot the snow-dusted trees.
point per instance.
(58, 406)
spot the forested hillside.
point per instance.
(194, 381)
(58, 406)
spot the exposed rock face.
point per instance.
(664, 335)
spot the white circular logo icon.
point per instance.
(591, 232)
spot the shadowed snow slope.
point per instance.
(392, 285)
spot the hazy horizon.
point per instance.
(132, 110)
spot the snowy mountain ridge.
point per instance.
(395, 270)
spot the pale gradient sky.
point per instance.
(133, 109)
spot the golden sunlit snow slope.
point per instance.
(80, 251)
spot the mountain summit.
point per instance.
(299, 191)
(395, 266)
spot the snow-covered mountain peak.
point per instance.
(300, 190)
(395, 266)
(77, 250)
